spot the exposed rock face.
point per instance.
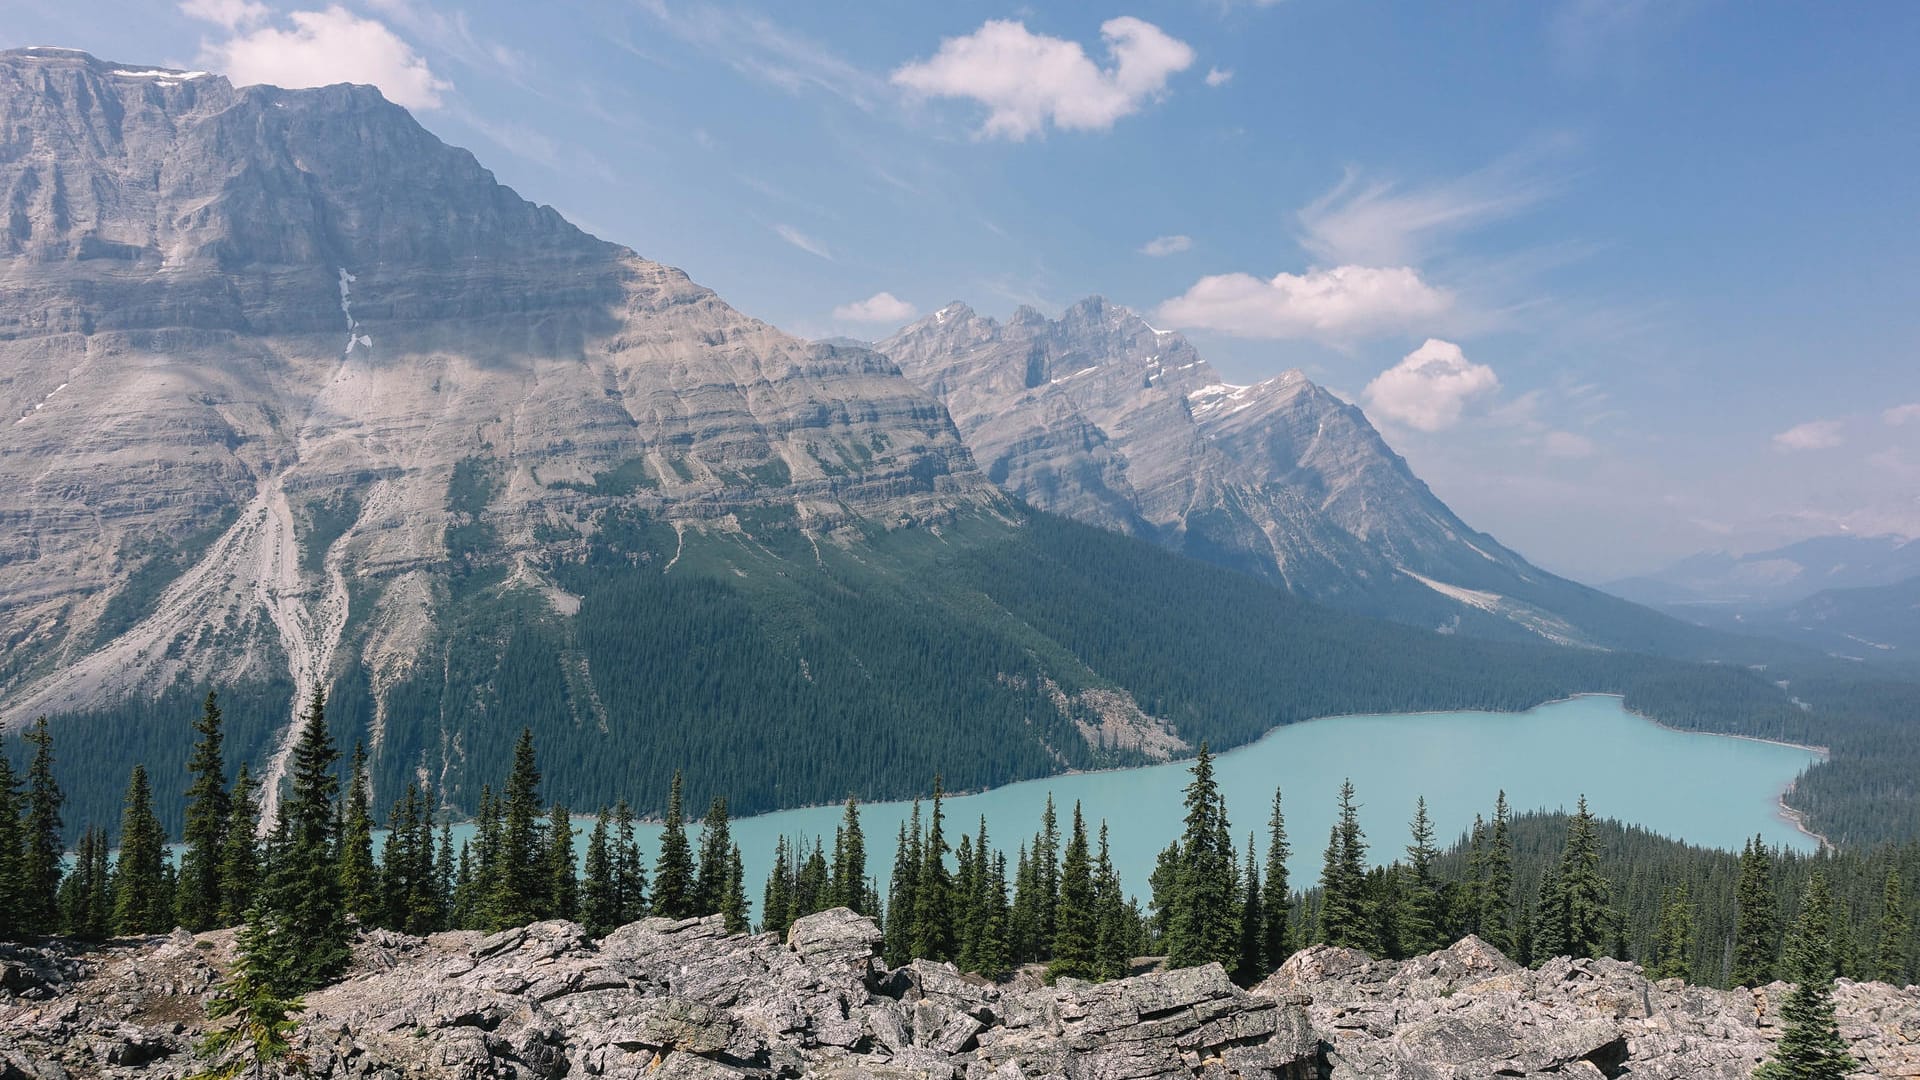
(289, 339)
(682, 999)
(1101, 417)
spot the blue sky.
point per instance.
(1622, 280)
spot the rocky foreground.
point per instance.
(677, 1000)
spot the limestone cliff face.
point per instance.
(1101, 417)
(260, 349)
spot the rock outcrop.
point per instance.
(684, 1000)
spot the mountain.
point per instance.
(1872, 622)
(1775, 578)
(1103, 418)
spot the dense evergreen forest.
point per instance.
(779, 676)
(1534, 886)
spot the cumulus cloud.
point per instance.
(1028, 80)
(1219, 76)
(1812, 435)
(1430, 388)
(231, 14)
(881, 307)
(319, 49)
(1166, 245)
(802, 241)
(1901, 414)
(1340, 304)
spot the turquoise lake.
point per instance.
(1707, 789)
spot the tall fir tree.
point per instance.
(42, 851)
(716, 840)
(208, 812)
(1756, 935)
(673, 892)
(1114, 920)
(1810, 1046)
(520, 888)
(933, 892)
(563, 881)
(12, 862)
(239, 851)
(813, 882)
(1252, 965)
(1496, 889)
(140, 902)
(1422, 909)
(901, 896)
(733, 894)
(776, 900)
(992, 953)
(359, 877)
(87, 908)
(966, 883)
(1346, 916)
(1893, 934)
(850, 862)
(1044, 858)
(1278, 898)
(597, 890)
(1588, 901)
(302, 897)
(629, 869)
(1547, 936)
(1076, 927)
(1673, 937)
(1203, 912)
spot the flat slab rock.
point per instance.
(667, 1000)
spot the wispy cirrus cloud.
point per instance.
(758, 48)
(802, 241)
(1382, 223)
(1029, 82)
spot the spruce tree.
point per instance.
(1756, 934)
(1496, 889)
(239, 852)
(1422, 909)
(1587, 904)
(992, 954)
(1075, 923)
(598, 903)
(776, 900)
(629, 869)
(733, 894)
(933, 892)
(12, 855)
(88, 908)
(520, 889)
(1894, 933)
(716, 840)
(901, 895)
(563, 882)
(1252, 965)
(139, 896)
(1204, 916)
(966, 881)
(41, 849)
(1673, 938)
(812, 883)
(850, 862)
(359, 878)
(1278, 899)
(1470, 893)
(1810, 1047)
(253, 1019)
(673, 894)
(302, 895)
(1114, 921)
(1044, 858)
(1345, 914)
(1548, 933)
(207, 817)
(443, 876)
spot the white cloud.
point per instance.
(1219, 76)
(323, 48)
(1166, 245)
(231, 14)
(881, 307)
(1566, 444)
(1430, 388)
(1379, 223)
(1812, 435)
(1027, 80)
(1340, 304)
(1901, 414)
(802, 241)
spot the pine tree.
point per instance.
(811, 883)
(776, 900)
(239, 852)
(1756, 935)
(933, 892)
(1252, 965)
(901, 896)
(1587, 903)
(41, 847)
(1044, 858)
(563, 883)
(253, 1019)
(426, 898)
(1470, 893)
(1021, 913)
(966, 882)
(992, 953)
(88, 907)
(673, 892)
(850, 862)
(208, 812)
(1203, 912)
(302, 895)
(1278, 944)
(733, 895)
(716, 840)
(1673, 939)
(520, 888)
(139, 896)
(12, 861)
(443, 877)
(1422, 908)
(1548, 934)
(1114, 922)
(629, 869)
(1075, 927)
(1496, 889)
(598, 897)
(1810, 1047)
(1894, 933)
(1345, 915)
(359, 879)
